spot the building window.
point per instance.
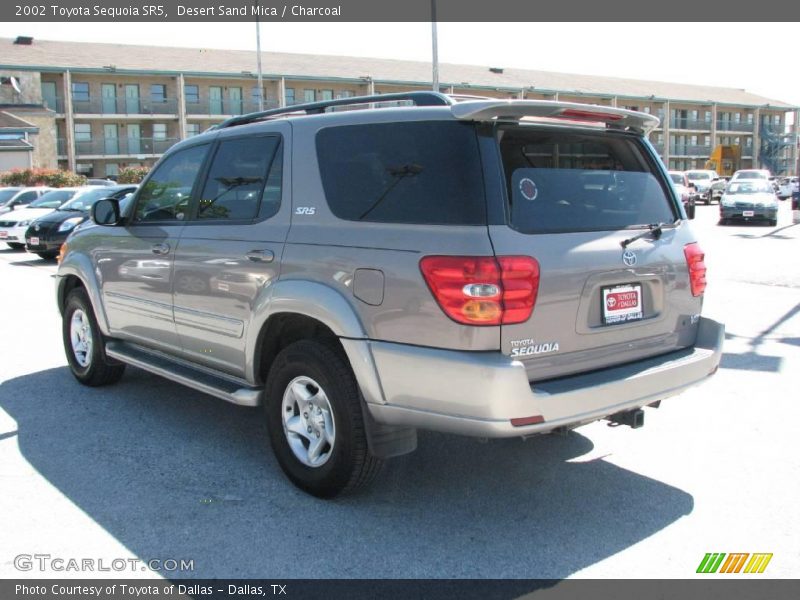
(80, 92)
(112, 169)
(290, 96)
(749, 118)
(707, 116)
(255, 94)
(345, 94)
(159, 131)
(192, 129)
(326, 95)
(84, 169)
(646, 109)
(192, 93)
(83, 132)
(309, 95)
(706, 140)
(158, 92)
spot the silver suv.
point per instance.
(489, 268)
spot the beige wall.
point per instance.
(30, 86)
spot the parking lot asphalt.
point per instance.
(151, 470)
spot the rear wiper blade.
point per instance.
(654, 229)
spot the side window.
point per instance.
(27, 197)
(418, 172)
(244, 181)
(165, 196)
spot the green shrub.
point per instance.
(132, 174)
(47, 177)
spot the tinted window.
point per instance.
(420, 172)
(560, 181)
(240, 185)
(52, 199)
(26, 197)
(165, 196)
(6, 195)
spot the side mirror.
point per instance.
(106, 212)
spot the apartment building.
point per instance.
(108, 106)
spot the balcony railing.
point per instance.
(690, 124)
(56, 104)
(733, 126)
(118, 146)
(226, 107)
(689, 150)
(125, 106)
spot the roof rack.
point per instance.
(314, 108)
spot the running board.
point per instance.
(226, 387)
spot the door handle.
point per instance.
(160, 249)
(261, 256)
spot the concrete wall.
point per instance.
(30, 86)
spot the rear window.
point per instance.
(418, 172)
(565, 182)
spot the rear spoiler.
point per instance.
(515, 110)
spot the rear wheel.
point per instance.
(773, 222)
(47, 255)
(84, 343)
(315, 423)
(15, 245)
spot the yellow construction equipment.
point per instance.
(725, 160)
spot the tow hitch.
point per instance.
(632, 418)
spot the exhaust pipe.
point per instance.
(632, 418)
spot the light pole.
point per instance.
(435, 47)
(258, 59)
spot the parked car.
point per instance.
(787, 186)
(45, 235)
(749, 200)
(106, 182)
(751, 174)
(16, 197)
(685, 190)
(14, 224)
(703, 179)
(718, 187)
(368, 273)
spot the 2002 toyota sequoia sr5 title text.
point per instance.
(487, 267)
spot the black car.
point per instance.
(46, 234)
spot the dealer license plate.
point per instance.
(622, 303)
(748, 213)
(34, 241)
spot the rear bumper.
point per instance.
(479, 393)
(758, 213)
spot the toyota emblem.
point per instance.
(629, 258)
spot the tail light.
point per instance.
(697, 268)
(483, 290)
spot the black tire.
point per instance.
(99, 369)
(773, 222)
(47, 255)
(723, 222)
(15, 245)
(690, 211)
(349, 464)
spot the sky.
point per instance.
(761, 58)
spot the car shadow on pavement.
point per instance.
(171, 473)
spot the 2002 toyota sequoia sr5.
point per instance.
(487, 267)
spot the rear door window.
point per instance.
(243, 182)
(415, 172)
(563, 182)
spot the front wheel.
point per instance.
(315, 423)
(83, 343)
(47, 255)
(15, 245)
